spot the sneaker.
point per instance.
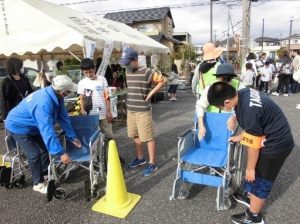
(151, 168)
(275, 94)
(247, 217)
(242, 198)
(40, 187)
(285, 94)
(136, 162)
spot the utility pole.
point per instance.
(291, 26)
(262, 36)
(244, 46)
(211, 21)
(228, 24)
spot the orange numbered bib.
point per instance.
(252, 141)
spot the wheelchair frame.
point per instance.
(96, 168)
(15, 174)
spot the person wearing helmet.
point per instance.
(225, 72)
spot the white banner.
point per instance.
(142, 60)
(108, 48)
(154, 60)
(90, 47)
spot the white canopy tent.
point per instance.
(31, 28)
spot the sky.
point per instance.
(196, 19)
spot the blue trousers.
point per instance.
(36, 153)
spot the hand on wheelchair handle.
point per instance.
(77, 143)
(65, 158)
(236, 138)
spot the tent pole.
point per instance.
(74, 56)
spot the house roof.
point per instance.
(292, 36)
(129, 17)
(266, 39)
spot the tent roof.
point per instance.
(37, 26)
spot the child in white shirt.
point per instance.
(266, 77)
(248, 76)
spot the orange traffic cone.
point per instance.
(117, 201)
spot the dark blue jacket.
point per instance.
(37, 114)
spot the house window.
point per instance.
(296, 41)
(146, 28)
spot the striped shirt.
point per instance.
(139, 83)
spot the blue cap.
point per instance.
(128, 55)
(225, 69)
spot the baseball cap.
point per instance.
(225, 69)
(64, 83)
(128, 55)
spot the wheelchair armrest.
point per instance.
(182, 135)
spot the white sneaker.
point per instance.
(275, 94)
(40, 187)
(285, 94)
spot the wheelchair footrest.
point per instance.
(200, 178)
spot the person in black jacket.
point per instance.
(16, 86)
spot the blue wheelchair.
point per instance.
(91, 157)
(213, 161)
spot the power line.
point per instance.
(82, 2)
(175, 6)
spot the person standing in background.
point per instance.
(248, 77)
(15, 86)
(173, 81)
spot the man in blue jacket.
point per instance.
(31, 124)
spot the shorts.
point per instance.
(172, 89)
(266, 171)
(106, 128)
(140, 125)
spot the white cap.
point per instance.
(64, 83)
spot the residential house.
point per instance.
(294, 43)
(233, 55)
(156, 23)
(266, 44)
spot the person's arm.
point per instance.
(81, 101)
(252, 159)
(201, 108)
(109, 117)
(5, 94)
(64, 121)
(160, 80)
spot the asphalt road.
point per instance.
(171, 119)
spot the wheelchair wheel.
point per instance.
(20, 183)
(60, 194)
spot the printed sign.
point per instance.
(252, 141)
(90, 47)
(108, 48)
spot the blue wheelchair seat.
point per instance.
(212, 149)
(85, 127)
